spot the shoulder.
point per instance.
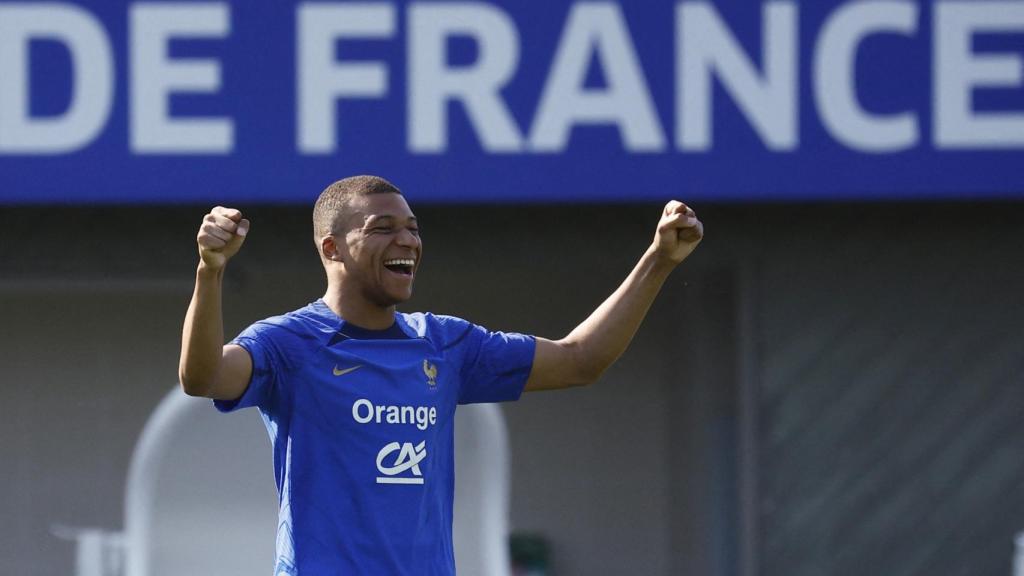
(306, 325)
(441, 330)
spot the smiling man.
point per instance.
(359, 399)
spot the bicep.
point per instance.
(555, 366)
(233, 375)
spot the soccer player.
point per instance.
(359, 399)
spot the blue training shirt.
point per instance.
(361, 424)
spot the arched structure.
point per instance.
(200, 496)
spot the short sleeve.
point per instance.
(258, 341)
(496, 365)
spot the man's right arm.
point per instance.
(207, 367)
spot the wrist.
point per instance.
(205, 270)
(657, 262)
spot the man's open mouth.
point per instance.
(402, 266)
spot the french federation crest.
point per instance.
(431, 371)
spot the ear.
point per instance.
(329, 249)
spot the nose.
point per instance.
(407, 239)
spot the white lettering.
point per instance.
(321, 80)
(596, 29)
(92, 71)
(155, 76)
(432, 83)
(705, 47)
(958, 72)
(364, 412)
(709, 58)
(835, 85)
(368, 406)
(409, 458)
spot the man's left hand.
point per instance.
(679, 232)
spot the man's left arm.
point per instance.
(581, 357)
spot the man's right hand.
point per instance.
(220, 236)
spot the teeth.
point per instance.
(400, 262)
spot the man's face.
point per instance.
(384, 248)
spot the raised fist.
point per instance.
(679, 232)
(221, 235)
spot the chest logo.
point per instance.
(342, 371)
(431, 371)
(406, 467)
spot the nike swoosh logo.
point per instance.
(340, 372)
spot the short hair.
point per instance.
(333, 203)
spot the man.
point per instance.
(359, 399)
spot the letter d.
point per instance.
(92, 70)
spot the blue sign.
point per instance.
(556, 101)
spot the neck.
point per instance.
(358, 311)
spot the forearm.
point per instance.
(600, 339)
(581, 357)
(202, 336)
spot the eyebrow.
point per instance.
(373, 219)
